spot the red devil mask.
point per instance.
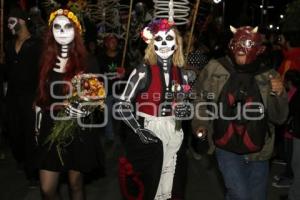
(246, 41)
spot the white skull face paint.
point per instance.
(63, 30)
(165, 43)
(13, 25)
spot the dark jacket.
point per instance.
(210, 83)
(21, 69)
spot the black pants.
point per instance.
(20, 118)
(147, 159)
(288, 147)
(180, 176)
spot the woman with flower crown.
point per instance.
(156, 136)
(64, 56)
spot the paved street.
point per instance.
(203, 183)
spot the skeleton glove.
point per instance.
(146, 136)
(76, 110)
(37, 124)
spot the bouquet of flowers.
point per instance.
(88, 94)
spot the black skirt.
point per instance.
(83, 152)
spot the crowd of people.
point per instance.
(239, 108)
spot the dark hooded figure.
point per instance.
(21, 71)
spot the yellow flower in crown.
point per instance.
(69, 14)
(75, 20)
(51, 18)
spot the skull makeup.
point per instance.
(13, 25)
(246, 41)
(63, 30)
(165, 43)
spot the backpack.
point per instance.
(237, 129)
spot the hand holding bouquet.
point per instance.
(88, 94)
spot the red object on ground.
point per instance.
(126, 172)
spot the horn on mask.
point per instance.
(255, 30)
(233, 30)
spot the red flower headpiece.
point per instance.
(160, 25)
(154, 27)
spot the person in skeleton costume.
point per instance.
(21, 74)
(244, 143)
(64, 56)
(155, 136)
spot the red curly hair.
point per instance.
(75, 63)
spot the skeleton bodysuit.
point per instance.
(153, 88)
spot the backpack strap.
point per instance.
(227, 64)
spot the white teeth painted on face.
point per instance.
(165, 47)
(241, 53)
(164, 50)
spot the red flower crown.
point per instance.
(154, 27)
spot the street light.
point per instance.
(281, 16)
(217, 1)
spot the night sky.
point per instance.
(237, 13)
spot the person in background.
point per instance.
(37, 26)
(291, 32)
(91, 47)
(110, 61)
(285, 179)
(196, 60)
(292, 78)
(291, 53)
(22, 55)
(291, 62)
